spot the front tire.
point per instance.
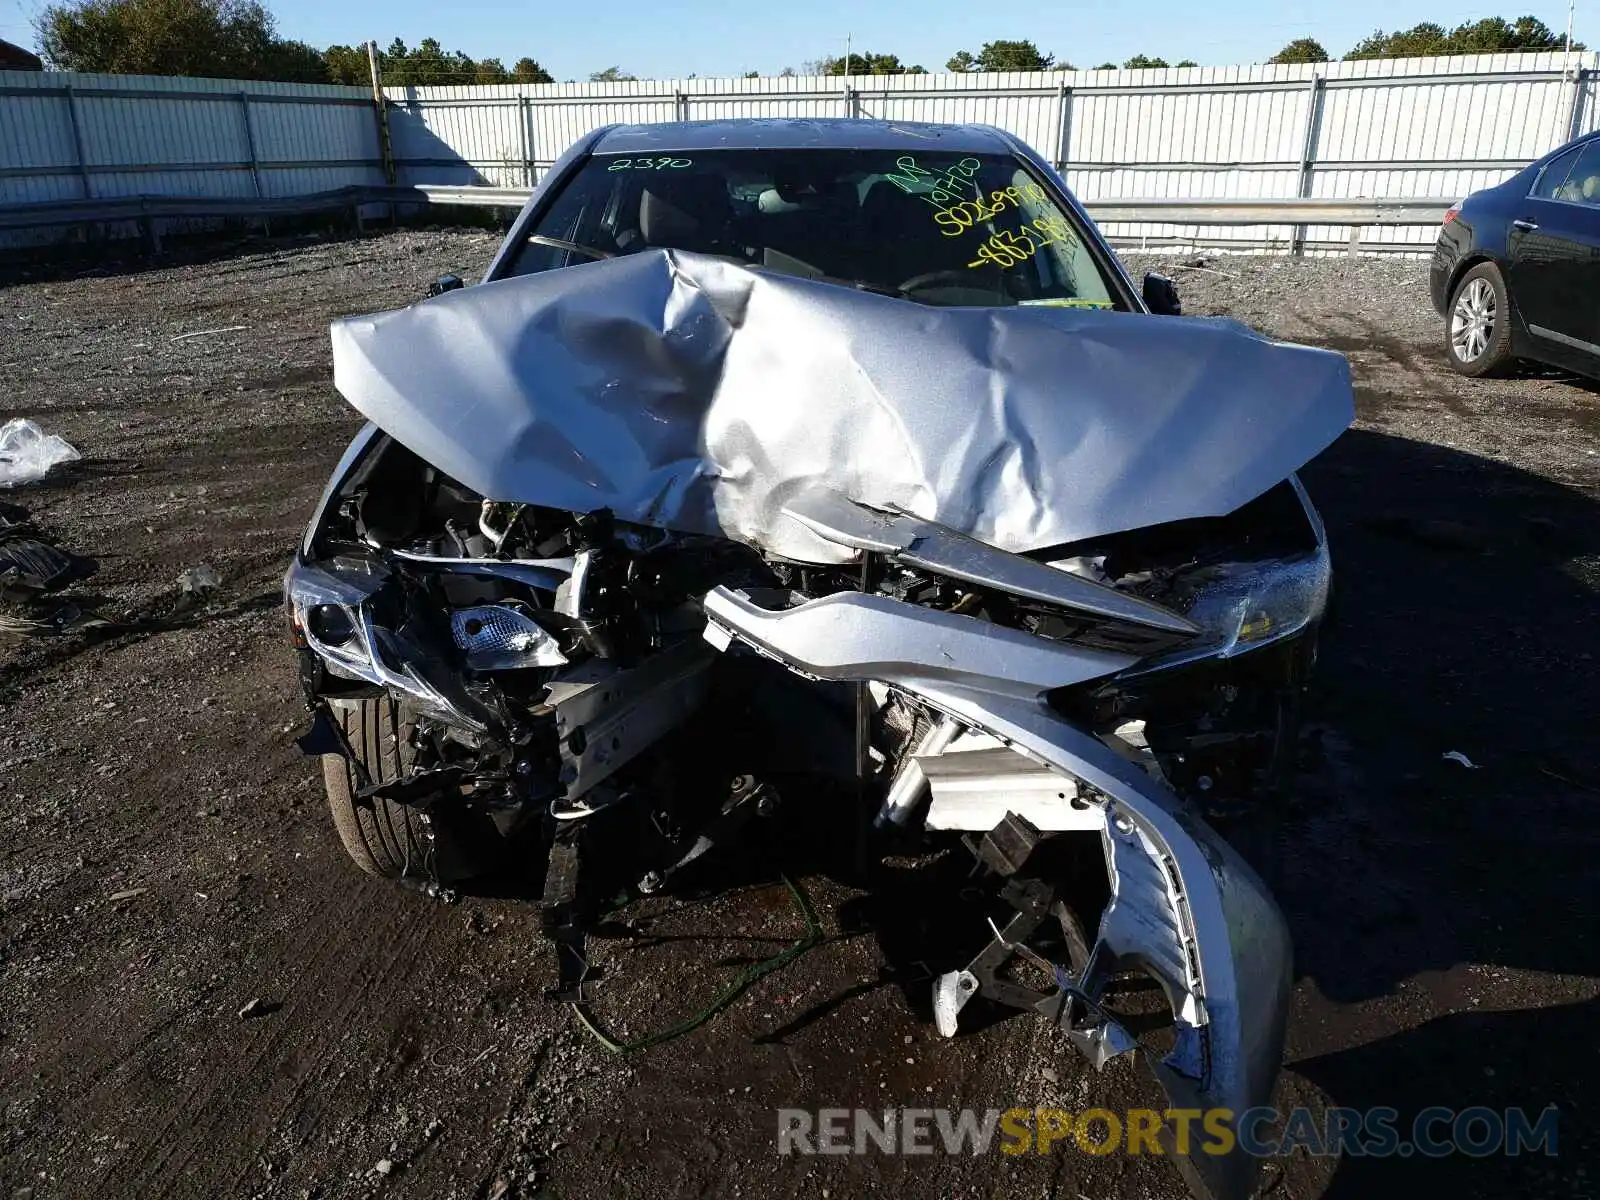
(397, 841)
(1478, 323)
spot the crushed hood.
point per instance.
(689, 393)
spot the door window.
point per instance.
(1554, 175)
(1582, 185)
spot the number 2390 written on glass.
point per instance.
(650, 164)
(1009, 247)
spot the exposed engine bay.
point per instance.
(986, 689)
(541, 607)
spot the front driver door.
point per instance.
(1554, 250)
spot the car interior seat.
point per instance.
(687, 212)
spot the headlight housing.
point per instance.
(1242, 606)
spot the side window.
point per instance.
(572, 218)
(1583, 181)
(1554, 175)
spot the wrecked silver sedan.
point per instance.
(864, 426)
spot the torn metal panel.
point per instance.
(853, 637)
(918, 543)
(683, 391)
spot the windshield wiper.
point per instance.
(576, 247)
(880, 289)
(819, 276)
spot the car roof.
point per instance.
(791, 133)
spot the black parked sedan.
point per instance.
(1516, 270)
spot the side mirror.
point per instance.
(445, 283)
(1161, 295)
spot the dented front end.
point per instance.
(1045, 611)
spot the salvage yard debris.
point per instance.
(27, 452)
(32, 571)
(197, 581)
(183, 337)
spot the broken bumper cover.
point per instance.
(1185, 906)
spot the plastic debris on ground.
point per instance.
(32, 570)
(1456, 756)
(29, 566)
(197, 581)
(27, 452)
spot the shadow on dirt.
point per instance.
(1465, 618)
(1492, 1061)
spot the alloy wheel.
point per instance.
(1472, 320)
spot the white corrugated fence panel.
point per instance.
(1437, 127)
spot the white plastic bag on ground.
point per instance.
(27, 452)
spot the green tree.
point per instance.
(1005, 56)
(1301, 50)
(347, 64)
(1491, 35)
(295, 62)
(1188, 62)
(429, 63)
(1423, 38)
(1496, 35)
(752, 74)
(1144, 61)
(868, 63)
(525, 70)
(491, 70)
(1107, 66)
(611, 75)
(211, 38)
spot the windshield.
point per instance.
(941, 228)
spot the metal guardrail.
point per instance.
(487, 197)
(1263, 212)
(1273, 211)
(1356, 212)
(143, 208)
(146, 210)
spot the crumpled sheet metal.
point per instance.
(687, 392)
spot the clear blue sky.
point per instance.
(715, 37)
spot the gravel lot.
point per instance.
(166, 857)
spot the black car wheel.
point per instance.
(388, 839)
(1478, 326)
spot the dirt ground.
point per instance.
(166, 858)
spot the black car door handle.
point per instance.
(1527, 226)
